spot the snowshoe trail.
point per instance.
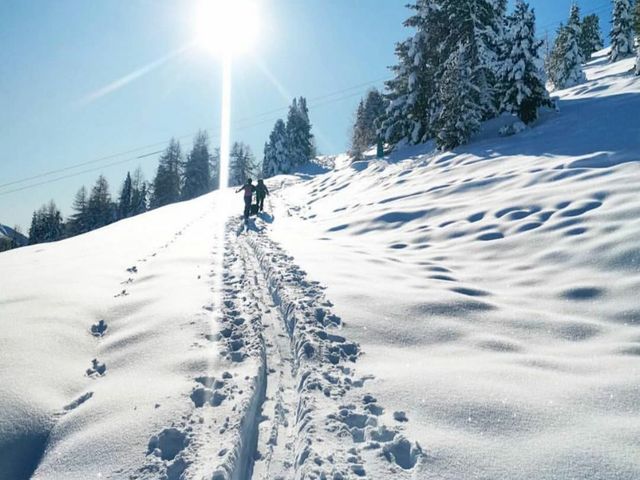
(314, 417)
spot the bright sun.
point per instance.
(227, 26)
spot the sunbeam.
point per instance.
(130, 77)
(286, 95)
(225, 121)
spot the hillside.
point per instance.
(459, 315)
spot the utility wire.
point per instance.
(130, 159)
(238, 125)
(94, 169)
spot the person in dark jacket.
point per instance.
(248, 189)
(261, 192)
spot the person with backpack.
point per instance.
(261, 192)
(248, 189)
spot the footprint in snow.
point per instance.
(212, 391)
(97, 369)
(77, 402)
(99, 329)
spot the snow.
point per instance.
(461, 315)
(493, 289)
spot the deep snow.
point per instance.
(461, 315)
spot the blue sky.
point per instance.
(58, 56)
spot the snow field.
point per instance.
(493, 289)
(461, 315)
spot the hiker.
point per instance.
(261, 192)
(248, 189)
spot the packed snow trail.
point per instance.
(316, 419)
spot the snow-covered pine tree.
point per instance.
(124, 201)
(621, 30)
(590, 39)
(365, 128)
(139, 193)
(78, 222)
(166, 184)
(215, 169)
(521, 76)
(46, 224)
(636, 19)
(299, 136)
(460, 115)
(476, 24)
(197, 169)
(564, 65)
(241, 164)
(412, 95)
(396, 124)
(554, 62)
(100, 209)
(471, 49)
(357, 146)
(276, 152)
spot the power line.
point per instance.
(82, 164)
(597, 9)
(130, 159)
(238, 125)
(95, 169)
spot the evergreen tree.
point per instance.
(396, 124)
(46, 224)
(521, 75)
(460, 115)
(197, 170)
(139, 193)
(100, 209)
(125, 202)
(591, 39)
(564, 65)
(417, 98)
(35, 229)
(636, 18)
(276, 158)
(241, 164)
(477, 28)
(621, 31)
(215, 169)
(424, 59)
(299, 136)
(79, 221)
(365, 128)
(166, 184)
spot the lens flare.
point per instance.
(227, 26)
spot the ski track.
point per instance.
(315, 419)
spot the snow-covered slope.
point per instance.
(465, 315)
(494, 290)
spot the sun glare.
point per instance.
(227, 26)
